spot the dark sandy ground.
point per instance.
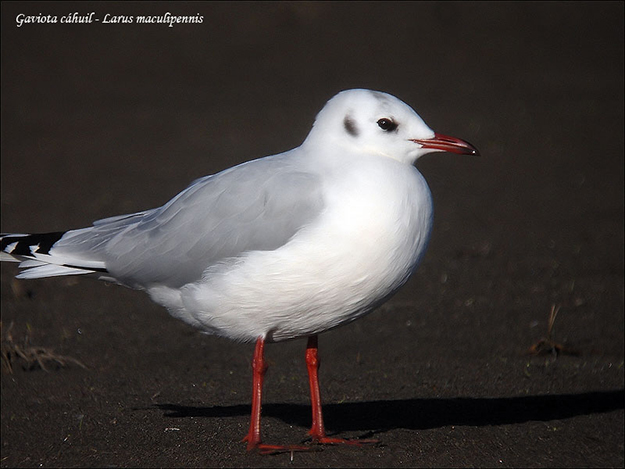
(99, 120)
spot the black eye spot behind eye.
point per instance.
(350, 126)
(388, 125)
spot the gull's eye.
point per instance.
(388, 125)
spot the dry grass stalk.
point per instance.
(30, 356)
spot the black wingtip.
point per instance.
(24, 243)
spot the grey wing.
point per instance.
(258, 205)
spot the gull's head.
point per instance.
(378, 123)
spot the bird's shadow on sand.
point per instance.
(421, 414)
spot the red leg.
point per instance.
(318, 431)
(259, 367)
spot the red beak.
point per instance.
(451, 144)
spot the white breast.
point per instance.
(361, 249)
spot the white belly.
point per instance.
(360, 250)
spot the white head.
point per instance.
(378, 123)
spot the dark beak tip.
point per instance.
(473, 151)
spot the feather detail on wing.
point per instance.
(216, 218)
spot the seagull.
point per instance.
(277, 248)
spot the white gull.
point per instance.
(277, 248)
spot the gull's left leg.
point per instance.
(259, 367)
